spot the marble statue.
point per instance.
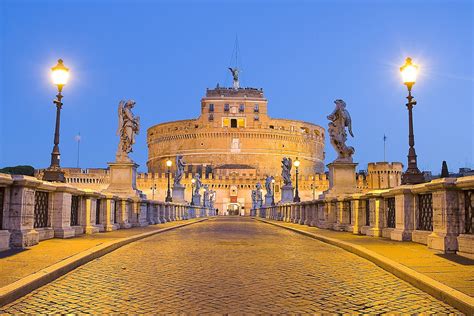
(269, 185)
(286, 165)
(212, 199)
(259, 194)
(178, 175)
(128, 127)
(339, 120)
(197, 184)
(254, 199)
(205, 197)
(235, 76)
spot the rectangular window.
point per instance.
(255, 108)
(241, 108)
(233, 123)
(226, 107)
(225, 122)
(211, 107)
(256, 118)
(211, 117)
(241, 122)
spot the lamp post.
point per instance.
(60, 76)
(297, 197)
(412, 175)
(273, 192)
(193, 181)
(168, 192)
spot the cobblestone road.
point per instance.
(228, 265)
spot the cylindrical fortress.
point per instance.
(235, 132)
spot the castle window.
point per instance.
(233, 123)
(272, 127)
(211, 117)
(256, 118)
(211, 107)
(241, 108)
(225, 122)
(241, 122)
(226, 107)
(255, 108)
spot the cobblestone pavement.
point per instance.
(228, 265)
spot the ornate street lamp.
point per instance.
(192, 190)
(168, 192)
(412, 175)
(60, 76)
(297, 197)
(273, 192)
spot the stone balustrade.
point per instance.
(439, 214)
(32, 210)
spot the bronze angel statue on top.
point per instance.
(128, 127)
(339, 120)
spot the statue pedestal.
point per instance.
(123, 179)
(178, 193)
(342, 178)
(197, 199)
(268, 200)
(286, 194)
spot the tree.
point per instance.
(22, 170)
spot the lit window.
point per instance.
(226, 107)
(241, 108)
(211, 107)
(255, 108)
(241, 122)
(225, 122)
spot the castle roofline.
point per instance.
(235, 93)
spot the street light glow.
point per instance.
(60, 74)
(169, 163)
(297, 163)
(409, 72)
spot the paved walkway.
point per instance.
(17, 264)
(228, 265)
(452, 270)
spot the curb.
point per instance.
(17, 289)
(455, 298)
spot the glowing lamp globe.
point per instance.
(297, 163)
(193, 180)
(60, 74)
(409, 72)
(169, 163)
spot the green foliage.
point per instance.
(23, 170)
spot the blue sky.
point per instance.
(304, 54)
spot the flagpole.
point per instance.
(384, 139)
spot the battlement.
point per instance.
(221, 92)
(384, 166)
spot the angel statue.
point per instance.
(178, 175)
(254, 199)
(286, 165)
(339, 120)
(268, 185)
(235, 76)
(197, 184)
(128, 127)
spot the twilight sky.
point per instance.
(164, 54)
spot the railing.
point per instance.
(2, 199)
(97, 211)
(469, 212)
(116, 209)
(348, 208)
(390, 202)
(41, 214)
(425, 212)
(75, 210)
(367, 212)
